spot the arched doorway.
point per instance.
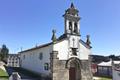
(73, 65)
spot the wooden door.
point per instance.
(72, 73)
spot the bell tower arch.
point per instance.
(71, 19)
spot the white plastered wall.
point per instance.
(32, 61)
(62, 48)
(64, 52)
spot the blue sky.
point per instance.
(25, 23)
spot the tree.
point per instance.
(112, 56)
(4, 52)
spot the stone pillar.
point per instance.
(58, 70)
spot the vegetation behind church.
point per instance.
(101, 58)
(4, 53)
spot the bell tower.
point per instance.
(72, 19)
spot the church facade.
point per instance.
(66, 57)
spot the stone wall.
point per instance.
(58, 68)
(86, 73)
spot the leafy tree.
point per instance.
(4, 52)
(112, 57)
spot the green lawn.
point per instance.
(3, 75)
(3, 78)
(102, 78)
(105, 78)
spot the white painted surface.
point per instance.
(65, 52)
(32, 61)
(109, 63)
(62, 48)
(84, 52)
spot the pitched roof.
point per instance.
(64, 36)
(108, 63)
(85, 44)
(13, 55)
(105, 64)
(61, 38)
(41, 46)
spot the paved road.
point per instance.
(24, 76)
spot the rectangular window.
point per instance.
(74, 51)
(46, 66)
(41, 56)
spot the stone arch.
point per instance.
(74, 61)
(74, 66)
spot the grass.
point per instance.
(102, 78)
(3, 78)
(3, 75)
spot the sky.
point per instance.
(27, 23)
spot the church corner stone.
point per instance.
(58, 68)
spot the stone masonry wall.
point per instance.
(86, 73)
(60, 72)
(58, 68)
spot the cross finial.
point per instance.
(54, 31)
(72, 5)
(88, 36)
(54, 36)
(88, 40)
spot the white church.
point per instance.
(64, 58)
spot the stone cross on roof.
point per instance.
(54, 36)
(72, 5)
